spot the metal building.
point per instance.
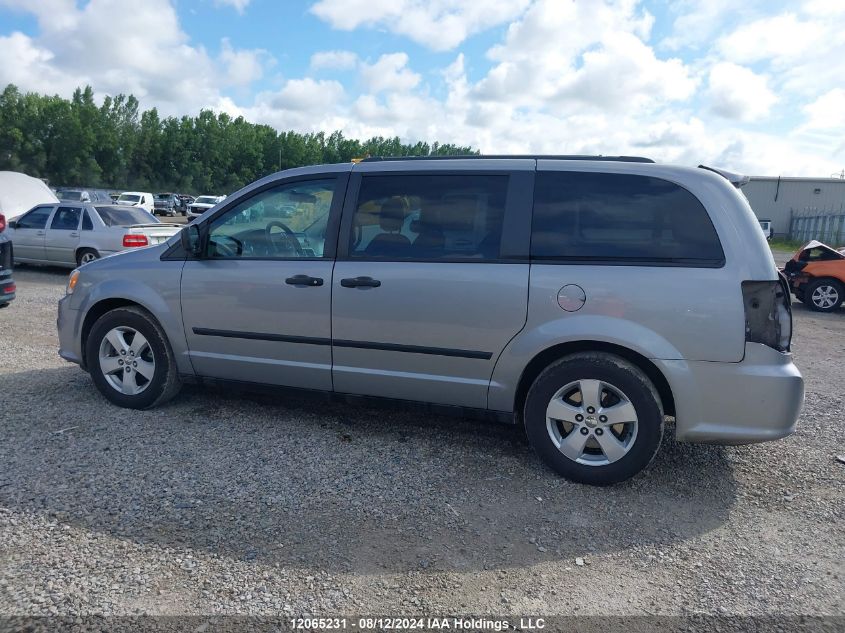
(780, 199)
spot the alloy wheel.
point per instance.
(825, 296)
(592, 422)
(126, 360)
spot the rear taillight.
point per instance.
(768, 313)
(9, 289)
(130, 240)
(2, 222)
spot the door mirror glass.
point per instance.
(191, 240)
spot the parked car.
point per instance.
(68, 234)
(137, 199)
(167, 204)
(97, 196)
(18, 192)
(74, 195)
(816, 276)
(186, 202)
(585, 299)
(202, 204)
(766, 227)
(7, 284)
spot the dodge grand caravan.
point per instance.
(586, 298)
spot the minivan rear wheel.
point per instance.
(130, 359)
(595, 418)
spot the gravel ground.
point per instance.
(224, 503)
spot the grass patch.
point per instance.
(783, 244)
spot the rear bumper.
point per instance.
(7, 284)
(756, 400)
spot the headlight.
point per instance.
(71, 282)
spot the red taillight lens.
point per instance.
(130, 240)
(9, 289)
(2, 222)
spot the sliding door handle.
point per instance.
(304, 280)
(360, 282)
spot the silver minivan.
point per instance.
(585, 297)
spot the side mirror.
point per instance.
(191, 240)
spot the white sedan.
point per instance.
(71, 234)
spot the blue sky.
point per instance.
(754, 86)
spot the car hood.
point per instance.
(816, 244)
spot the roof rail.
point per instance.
(618, 159)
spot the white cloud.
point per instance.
(827, 112)
(436, 24)
(736, 92)
(566, 76)
(140, 48)
(308, 95)
(804, 51)
(599, 59)
(389, 72)
(336, 60)
(238, 5)
(697, 22)
(243, 67)
(24, 63)
(779, 36)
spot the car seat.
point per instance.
(390, 243)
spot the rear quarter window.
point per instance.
(620, 218)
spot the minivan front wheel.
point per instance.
(130, 359)
(595, 418)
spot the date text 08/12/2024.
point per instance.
(415, 623)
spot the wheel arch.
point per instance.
(99, 309)
(81, 248)
(551, 354)
(829, 278)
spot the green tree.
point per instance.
(116, 145)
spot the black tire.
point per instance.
(165, 382)
(830, 300)
(621, 375)
(84, 255)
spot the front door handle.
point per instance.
(360, 282)
(74, 234)
(304, 280)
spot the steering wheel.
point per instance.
(287, 234)
(234, 247)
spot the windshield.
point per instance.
(70, 195)
(206, 200)
(125, 216)
(128, 198)
(164, 196)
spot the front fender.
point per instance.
(571, 328)
(154, 285)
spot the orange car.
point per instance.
(816, 275)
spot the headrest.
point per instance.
(392, 215)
